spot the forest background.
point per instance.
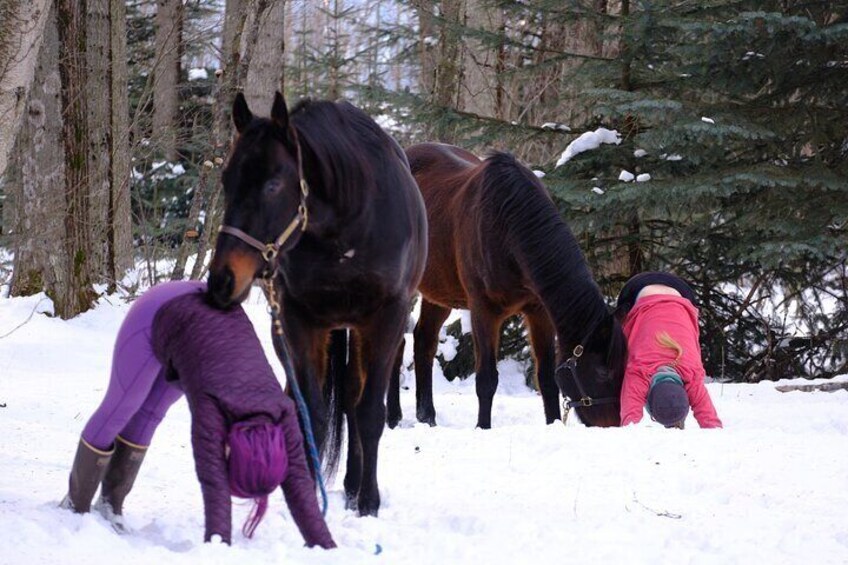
(726, 159)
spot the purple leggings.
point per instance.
(138, 395)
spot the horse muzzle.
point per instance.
(230, 278)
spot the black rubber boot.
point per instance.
(119, 480)
(87, 471)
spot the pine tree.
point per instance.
(740, 119)
(732, 117)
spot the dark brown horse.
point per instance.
(498, 247)
(353, 254)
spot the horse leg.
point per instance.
(308, 355)
(425, 342)
(394, 414)
(380, 341)
(543, 341)
(353, 389)
(485, 329)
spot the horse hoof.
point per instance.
(368, 510)
(427, 418)
(392, 422)
(350, 502)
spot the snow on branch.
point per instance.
(588, 141)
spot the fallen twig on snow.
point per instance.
(663, 514)
(22, 324)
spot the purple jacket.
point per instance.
(217, 359)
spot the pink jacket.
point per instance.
(676, 316)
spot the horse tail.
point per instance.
(669, 342)
(334, 395)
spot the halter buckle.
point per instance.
(578, 351)
(270, 253)
(303, 213)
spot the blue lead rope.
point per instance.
(304, 418)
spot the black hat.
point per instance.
(667, 400)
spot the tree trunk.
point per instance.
(95, 90)
(119, 217)
(448, 76)
(166, 73)
(229, 82)
(21, 31)
(825, 387)
(35, 205)
(77, 294)
(483, 65)
(228, 85)
(426, 44)
(265, 68)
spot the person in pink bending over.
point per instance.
(664, 371)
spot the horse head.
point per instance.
(265, 201)
(590, 378)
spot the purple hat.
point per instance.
(667, 400)
(257, 465)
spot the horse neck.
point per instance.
(557, 270)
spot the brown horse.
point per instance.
(498, 247)
(335, 196)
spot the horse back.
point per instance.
(356, 264)
(467, 260)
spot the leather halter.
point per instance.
(570, 364)
(269, 251)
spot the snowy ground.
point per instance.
(769, 488)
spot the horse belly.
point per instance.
(441, 283)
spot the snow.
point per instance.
(538, 173)
(198, 74)
(639, 153)
(769, 488)
(588, 141)
(644, 177)
(707, 120)
(598, 190)
(626, 176)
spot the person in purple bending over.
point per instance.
(244, 431)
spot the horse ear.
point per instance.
(241, 113)
(279, 112)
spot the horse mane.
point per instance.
(541, 242)
(346, 148)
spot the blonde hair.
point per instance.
(669, 342)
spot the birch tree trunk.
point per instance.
(35, 205)
(21, 32)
